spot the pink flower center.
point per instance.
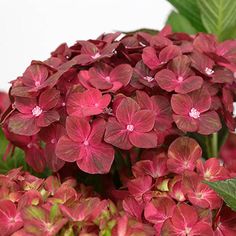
(235, 75)
(108, 78)
(86, 143)
(37, 111)
(180, 78)
(63, 104)
(53, 140)
(97, 55)
(148, 78)
(187, 230)
(29, 145)
(234, 111)
(209, 71)
(130, 128)
(194, 113)
(96, 104)
(37, 83)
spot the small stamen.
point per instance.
(86, 143)
(148, 78)
(37, 111)
(194, 113)
(37, 83)
(209, 71)
(180, 78)
(97, 55)
(130, 128)
(108, 78)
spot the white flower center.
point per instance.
(63, 104)
(148, 78)
(86, 143)
(130, 128)
(235, 75)
(37, 111)
(194, 113)
(209, 71)
(97, 55)
(108, 78)
(107, 110)
(234, 111)
(180, 78)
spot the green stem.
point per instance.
(214, 144)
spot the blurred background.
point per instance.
(31, 29)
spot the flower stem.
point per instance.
(214, 143)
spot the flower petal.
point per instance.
(23, 124)
(143, 121)
(122, 73)
(143, 140)
(47, 118)
(126, 110)
(78, 129)
(67, 149)
(186, 123)
(49, 99)
(190, 84)
(209, 123)
(181, 104)
(98, 159)
(150, 58)
(166, 79)
(117, 135)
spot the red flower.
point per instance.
(34, 114)
(50, 136)
(83, 144)
(183, 154)
(212, 170)
(104, 77)
(160, 106)
(185, 221)
(158, 211)
(132, 126)
(154, 61)
(192, 112)
(198, 193)
(34, 77)
(179, 77)
(91, 102)
(10, 218)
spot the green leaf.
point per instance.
(146, 30)
(54, 212)
(217, 15)
(226, 190)
(180, 24)
(190, 10)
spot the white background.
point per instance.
(31, 29)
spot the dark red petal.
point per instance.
(78, 129)
(181, 66)
(23, 124)
(150, 58)
(35, 75)
(183, 154)
(97, 132)
(25, 105)
(209, 123)
(88, 48)
(223, 76)
(190, 84)
(143, 121)
(117, 135)
(98, 159)
(143, 140)
(47, 118)
(122, 73)
(186, 123)
(67, 149)
(166, 79)
(49, 99)
(181, 104)
(184, 216)
(169, 53)
(126, 110)
(201, 99)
